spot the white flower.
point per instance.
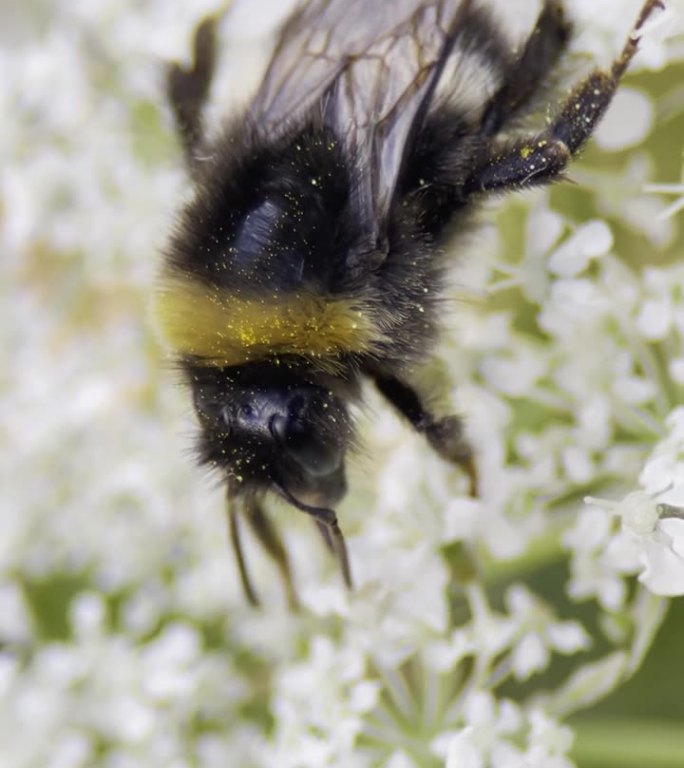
(488, 736)
(597, 570)
(487, 635)
(574, 304)
(652, 520)
(538, 633)
(124, 636)
(659, 310)
(15, 622)
(492, 734)
(663, 559)
(573, 256)
(657, 534)
(400, 760)
(548, 743)
(319, 705)
(463, 751)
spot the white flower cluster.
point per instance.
(124, 639)
(651, 536)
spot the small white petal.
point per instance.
(595, 237)
(544, 227)
(612, 593)
(439, 746)
(480, 709)
(595, 422)
(592, 529)
(506, 755)
(573, 303)
(510, 717)
(678, 312)
(663, 564)
(88, 614)
(134, 720)
(443, 655)
(554, 737)
(530, 655)
(400, 760)
(519, 600)
(462, 519)
(621, 555)
(15, 622)
(627, 121)
(179, 643)
(72, 750)
(634, 390)
(324, 599)
(658, 473)
(654, 320)
(9, 667)
(674, 528)
(675, 369)
(463, 753)
(568, 637)
(514, 375)
(363, 696)
(657, 280)
(589, 241)
(675, 422)
(577, 464)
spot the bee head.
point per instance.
(274, 430)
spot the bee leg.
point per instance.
(328, 519)
(541, 158)
(325, 535)
(271, 542)
(541, 52)
(236, 541)
(188, 88)
(444, 435)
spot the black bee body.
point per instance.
(312, 254)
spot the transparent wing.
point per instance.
(373, 64)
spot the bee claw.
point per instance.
(447, 438)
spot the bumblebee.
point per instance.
(312, 254)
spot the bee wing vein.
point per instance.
(374, 66)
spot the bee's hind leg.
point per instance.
(271, 542)
(188, 88)
(541, 158)
(236, 541)
(445, 435)
(541, 51)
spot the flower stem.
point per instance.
(628, 743)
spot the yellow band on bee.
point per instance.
(224, 329)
